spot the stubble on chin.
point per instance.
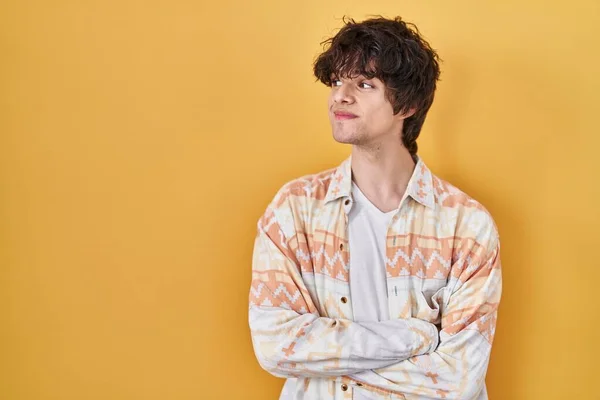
(359, 139)
(354, 137)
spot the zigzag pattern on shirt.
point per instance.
(330, 266)
(261, 295)
(465, 258)
(481, 319)
(318, 257)
(275, 288)
(432, 266)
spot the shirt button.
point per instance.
(347, 202)
(341, 246)
(344, 300)
(358, 384)
(344, 387)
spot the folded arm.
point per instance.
(457, 368)
(289, 337)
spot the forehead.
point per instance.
(354, 66)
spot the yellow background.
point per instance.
(141, 140)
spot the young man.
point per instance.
(376, 279)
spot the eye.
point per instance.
(336, 82)
(368, 85)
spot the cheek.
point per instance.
(377, 117)
(329, 102)
(384, 115)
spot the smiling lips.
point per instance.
(341, 115)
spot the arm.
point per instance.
(290, 339)
(457, 368)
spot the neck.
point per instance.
(382, 173)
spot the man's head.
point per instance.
(382, 71)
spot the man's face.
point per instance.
(360, 113)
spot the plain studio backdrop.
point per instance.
(141, 140)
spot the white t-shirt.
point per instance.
(367, 227)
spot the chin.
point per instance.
(343, 136)
(347, 137)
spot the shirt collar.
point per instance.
(420, 185)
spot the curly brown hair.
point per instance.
(393, 51)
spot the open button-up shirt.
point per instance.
(443, 283)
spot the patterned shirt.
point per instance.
(444, 285)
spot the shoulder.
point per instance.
(310, 187)
(471, 220)
(291, 203)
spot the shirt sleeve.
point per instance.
(289, 337)
(457, 368)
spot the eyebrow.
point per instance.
(357, 77)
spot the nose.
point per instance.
(343, 94)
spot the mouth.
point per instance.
(339, 115)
